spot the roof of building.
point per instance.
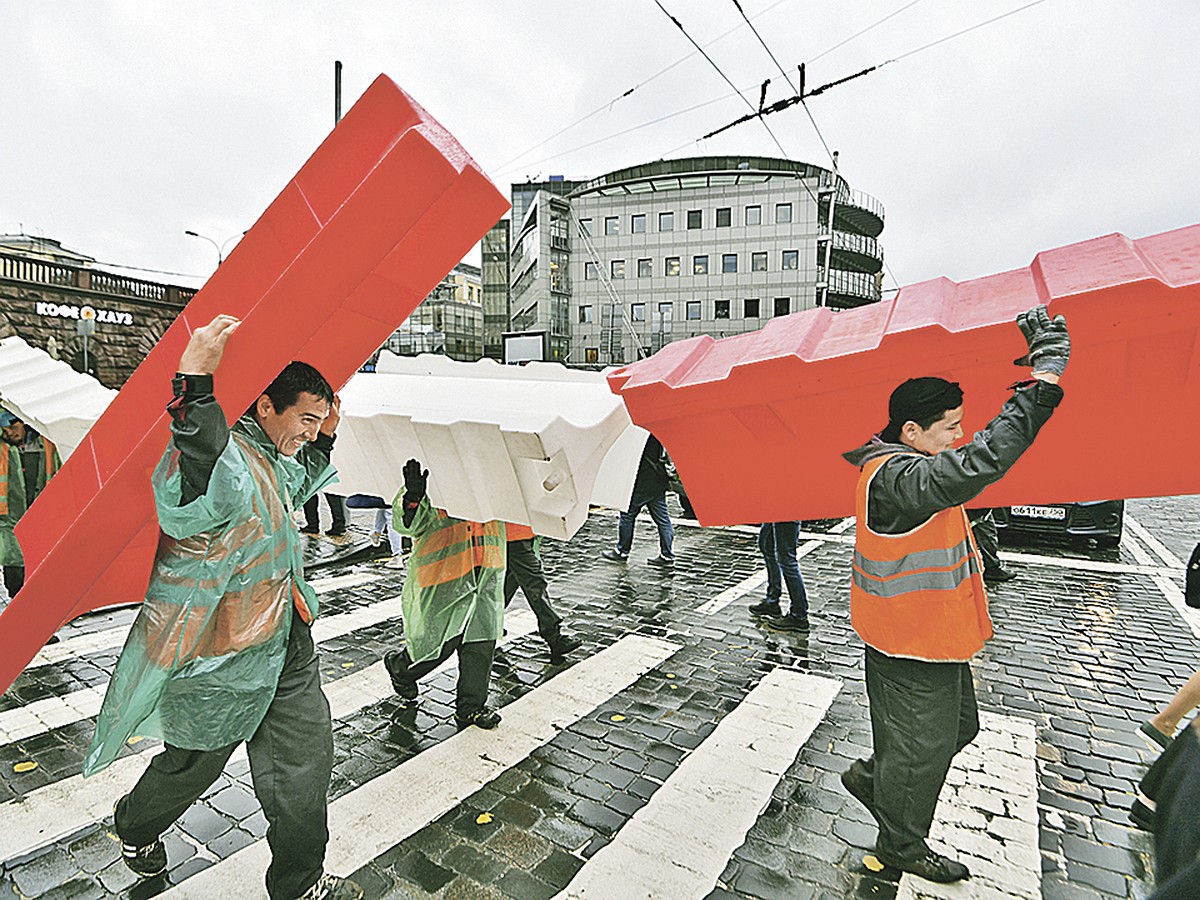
(698, 171)
(43, 248)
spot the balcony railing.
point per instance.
(40, 271)
(858, 285)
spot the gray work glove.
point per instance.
(1049, 343)
(414, 480)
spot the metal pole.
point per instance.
(337, 91)
(824, 300)
(85, 354)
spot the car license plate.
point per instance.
(1040, 512)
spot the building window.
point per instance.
(695, 218)
(758, 262)
(590, 272)
(645, 268)
(693, 309)
(637, 312)
(612, 225)
(586, 225)
(664, 312)
(750, 309)
(783, 306)
(783, 213)
(666, 221)
(618, 268)
(671, 266)
(720, 309)
(791, 260)
(585, 315)
(728, 262)
(699, 265)
(753, 215)
(724, 217)
(592, 355)
(637, 224)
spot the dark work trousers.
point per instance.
(1176, 837)
(922, 714)
(987, 538)
(337, 510)
(525, 572)
(474, 670)
(291, 757)
(14, 579)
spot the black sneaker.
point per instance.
(331, 887)
(789, 623)
(615, 556)
(932, 867)
(397, 667)
(147, 861)
(482, 718)
(860, 785)
(314, 530)
(560, 645)
(335, 531)
(998, 576)
(663, 562)
(766, 608)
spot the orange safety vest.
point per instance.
(456, 548)
(51, 458)
(919, 594)
(519, 532)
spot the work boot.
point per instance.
(768, 607)
(932, 867)
(403, 684)
(331, 887)
(663, 562)
(999, 575)
(789, 623)
(482, 718)
(560, 645)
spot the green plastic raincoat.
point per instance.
(202, 661)
(455, 583)
(12, 504)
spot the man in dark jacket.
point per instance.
(650, 491)
(917, 597)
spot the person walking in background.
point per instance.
(39, 456)
(12, 506)
(649, 491)
(524, 570)
(312, 515)
(987, 539)
(777, 542)
(453, 599)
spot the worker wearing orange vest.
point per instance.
(524, 571)
(452, 599)
(12, 506)
(917, 597)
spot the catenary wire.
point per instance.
(859, 34)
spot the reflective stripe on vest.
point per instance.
(457, 548)
(51, 465)
(920, 594)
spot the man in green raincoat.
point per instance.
(12, 506)
(221, 651)
(453, 599)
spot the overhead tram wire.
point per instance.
(860, 33)
(640, 84)
(780, 105)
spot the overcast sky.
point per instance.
(126, 123)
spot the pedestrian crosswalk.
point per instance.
(675, 846)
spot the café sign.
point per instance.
(85, 313)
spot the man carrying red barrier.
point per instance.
(221, 651)
(918, 599)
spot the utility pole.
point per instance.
(337, 91)
(823, 299)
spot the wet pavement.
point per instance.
(622, 769)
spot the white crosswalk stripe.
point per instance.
(438, 779)
(987, 817)
(705, 808)
(54, 712)
(64, 807)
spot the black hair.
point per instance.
(297, 378)
(920, 400)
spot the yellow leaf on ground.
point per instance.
(27, 766)
(136, 739)
(872, 862)
(618, 718)
(347, 665)
(483, 818)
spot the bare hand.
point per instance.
(206, 346)
(329, 426)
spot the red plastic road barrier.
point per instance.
(381, 211)
(757, 423)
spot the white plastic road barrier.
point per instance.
(523, 444)
(49, 395)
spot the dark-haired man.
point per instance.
(917, 597)
(221, 651)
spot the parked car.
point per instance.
(1099, 520)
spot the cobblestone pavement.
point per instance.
(686, 749)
